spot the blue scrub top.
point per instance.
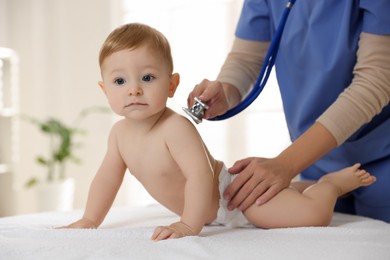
(314, 65)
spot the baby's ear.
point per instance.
(173, 84)
(102, 87)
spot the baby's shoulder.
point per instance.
(119, 124)
(178, 126)
(175, 119)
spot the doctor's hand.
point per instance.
(258, 181)
(220, 97)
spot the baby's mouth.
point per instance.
(135, 104)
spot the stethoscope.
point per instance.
(196, 112)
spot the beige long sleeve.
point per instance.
(243, 63)
(368, 93)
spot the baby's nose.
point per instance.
(135, 91)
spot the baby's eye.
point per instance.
(119, 81)
(148, 77)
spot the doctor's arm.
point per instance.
(236, 77)
(260, 179)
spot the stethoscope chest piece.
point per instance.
(196, 112)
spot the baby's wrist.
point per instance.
(90, 222)
(182, 229)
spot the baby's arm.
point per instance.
(104, 187)
(188, 150)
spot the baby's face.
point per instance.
(136, 83)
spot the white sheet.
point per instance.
(125, 234)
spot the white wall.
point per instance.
(58, 43)
(3, 22)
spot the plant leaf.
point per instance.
(32, 182)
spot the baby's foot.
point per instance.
(349, 178)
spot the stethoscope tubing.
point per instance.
(265, 71)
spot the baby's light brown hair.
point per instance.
(135, 35)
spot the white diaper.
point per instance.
(225, 217)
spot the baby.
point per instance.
(164, 151)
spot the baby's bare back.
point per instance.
(148, 157)
(154, 167)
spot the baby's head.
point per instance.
(134, 35)
(137, 71)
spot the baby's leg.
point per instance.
(301, 185)
(347, 179)
(314, 206)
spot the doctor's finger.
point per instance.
(215, 109)
(255, 195)
(248, 193)
(239, 165)
(234, 187)
(196, 92)
(210, 92)
(268, 194)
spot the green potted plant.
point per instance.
(56, 191)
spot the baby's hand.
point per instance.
(175, 230)
(82, 223)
